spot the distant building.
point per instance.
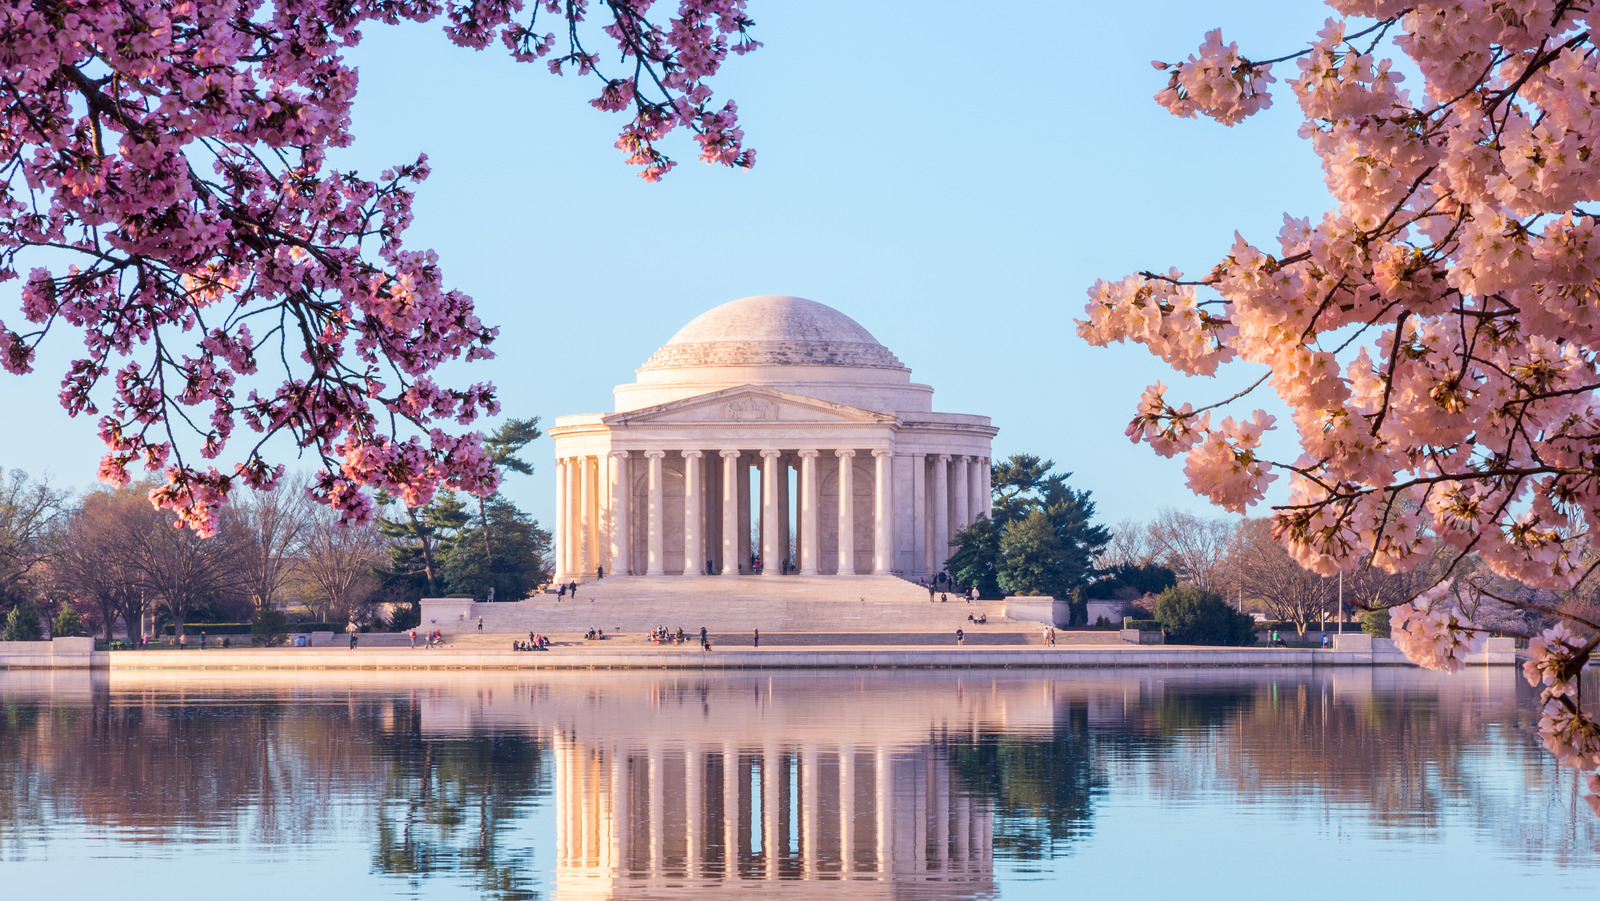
(694, 467)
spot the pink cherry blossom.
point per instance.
(1435, 334)
(171, 156)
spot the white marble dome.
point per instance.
(773, 330)
(781, 342)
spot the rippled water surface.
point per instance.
(1357, 783)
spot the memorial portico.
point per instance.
(772, 435)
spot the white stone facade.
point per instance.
(762, 412)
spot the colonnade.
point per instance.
(693, 511)
(724, 811)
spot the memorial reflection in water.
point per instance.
(657, 797)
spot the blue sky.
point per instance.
(954, 182)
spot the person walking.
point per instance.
(354, 637)
(480, 624)
(961, 637)
(702, 634)
(413, 639)
(202, 639)
(931, 592)
(756, 639)
(572, 589)
(561, 592)
(599, 572)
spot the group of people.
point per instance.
(431, 639)
(563, 590)
(535, 642)
(660, 635)
(595, 635)
(979, 619)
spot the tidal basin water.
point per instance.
(1351, 783)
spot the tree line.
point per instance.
(1042, 539)
(110, 556)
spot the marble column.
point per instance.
(621, 521)
(882, 512)
(771, 470)
(784, 542)
(694, 505)
(561, 537)
(590, 512)
(847, 511)
(983, 495)
(574, 520)
(810, 544)
(730, 511)
(656, 556)
(919, 512)
(940, 502)
(960, 491)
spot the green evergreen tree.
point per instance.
(1030, 554)
(419, 541)
(1041, 538)
(67, 623)
(976, 561)
(1191, 615)
(503, 446)
(22, 623)
(518, 565)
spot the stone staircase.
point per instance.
(734, 605)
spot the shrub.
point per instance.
(269, 627)
(1193, 616)
(22, 624)
(67, 624)
(1102, 623)
(406, 618)
(1078, 608)
(1375, 623)
(1143, 625)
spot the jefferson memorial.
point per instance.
(770, 436)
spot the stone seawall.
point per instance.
(690, 657)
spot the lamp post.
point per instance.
(1341, 602)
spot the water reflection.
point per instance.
(639, 785)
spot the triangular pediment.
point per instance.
(748, 404)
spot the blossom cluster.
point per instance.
(1218, 83)
(1431, 633)
(167, 195)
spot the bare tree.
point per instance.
(1129, 545)
(29, 512)
(1192, 547)
(179, 569)
(335, 574)
(90, 561)
(274, 526)
(1264, 572)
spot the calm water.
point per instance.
(1128, 783)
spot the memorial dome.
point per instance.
(773, 330)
